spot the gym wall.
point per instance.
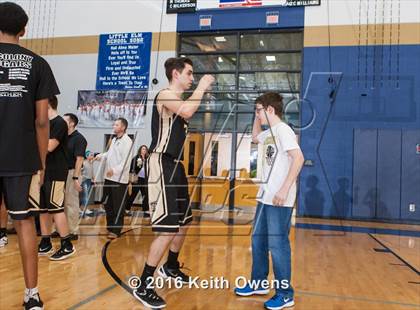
(67, 33)
(360, 84)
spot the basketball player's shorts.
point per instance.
(51, 197)
(168, 193)
(15, 191)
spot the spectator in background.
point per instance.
(87, 180)
(117, 169)
(138, 180)
(76, 148)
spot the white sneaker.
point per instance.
(3, 241)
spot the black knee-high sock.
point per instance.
(148, 272)
(172, 262)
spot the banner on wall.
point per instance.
(124, 61)
(216, 4)
(180, 6)
(99, 108)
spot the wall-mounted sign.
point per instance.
(272, 18)
(124, 61)
(180, 6)
(238, 3)
(302, 2)
(205, 21)
(215, 4)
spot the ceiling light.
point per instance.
(220, 59)
(270, 58)
(261, 42)
(220, 39)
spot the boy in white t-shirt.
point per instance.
(282, 163)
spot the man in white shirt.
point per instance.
(117, 169)
(282, 163)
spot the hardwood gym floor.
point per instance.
(332, 268)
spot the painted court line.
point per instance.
(357, 229)
(304, 293)
(93, 297)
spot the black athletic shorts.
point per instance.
(168, 193)
(15, 190)
(51, 198)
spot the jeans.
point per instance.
(86, 186)
(271, 233)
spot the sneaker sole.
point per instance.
(287, 305)
(147, 304)
(35, 308)
(162, 273)
(64, 257)
(261, 292)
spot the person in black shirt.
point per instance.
(167, 183)
(138, 180)
(26, 83)
(76, 148)
(53, 189)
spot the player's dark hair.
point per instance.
(73, 118)
(53, 102)
(273, 100)
(13, 18)
(177, 64)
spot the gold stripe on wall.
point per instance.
(315, 36)
(90, 44)
(348, 35)
(167, 41)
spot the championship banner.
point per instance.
(180, 6)
(223, 4)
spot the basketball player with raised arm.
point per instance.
(167, 183)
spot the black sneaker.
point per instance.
(63, 253)
(45, 249)
(74, 237)
(166, 272)
(149, 298)
(34, 303)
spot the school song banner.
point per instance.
(124, 61)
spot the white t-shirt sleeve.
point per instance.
(287, 138)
